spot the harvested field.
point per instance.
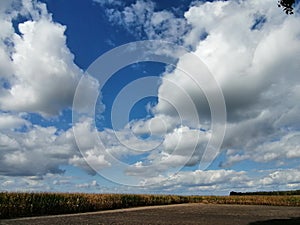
(204, 214)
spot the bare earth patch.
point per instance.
(204, 214)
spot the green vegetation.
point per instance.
(14, 205)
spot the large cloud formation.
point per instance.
(252, 50)
(37, 75)
(250, 47)
(38, 72)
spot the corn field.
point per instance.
(14, 205)
(35, 204)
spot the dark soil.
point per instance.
(204, 214)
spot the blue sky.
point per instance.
(154, 127)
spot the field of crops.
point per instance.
(35, 204)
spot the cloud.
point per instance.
(252, 50)
(39, 73)
(93, 184)
(8, 183)
(37, 151)
(283, 179)
(33, 150)
(9, 121)
(154, 126)
(257, 70)
(109, 2)
(142, 20)
(223, 181)
(181, 147)
(107, 148)
(31, 183)
(280, 151)
(201, 180)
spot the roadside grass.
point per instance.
(13, 205)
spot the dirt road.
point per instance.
(204, 214)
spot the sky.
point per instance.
(144, 96)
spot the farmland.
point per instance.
(14, 205)
(192, 214)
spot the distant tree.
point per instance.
(287, 6)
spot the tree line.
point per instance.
(296, 192)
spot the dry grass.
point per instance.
(249, 200)
(35, 204)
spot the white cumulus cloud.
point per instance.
(39, 73)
